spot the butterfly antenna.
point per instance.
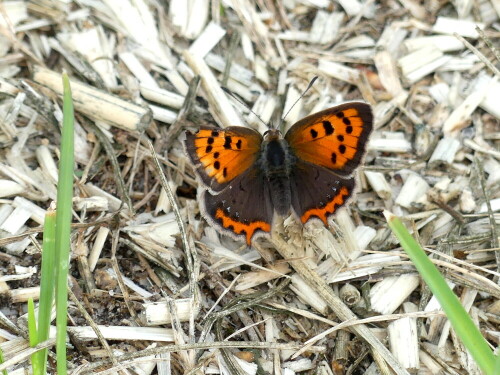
(230, 93)
(300, 97)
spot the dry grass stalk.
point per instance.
(145, 257)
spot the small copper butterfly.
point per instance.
(249, 177)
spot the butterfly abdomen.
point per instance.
(277, 163)
(248, 177)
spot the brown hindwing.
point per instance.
(243, 209)
(318, 192)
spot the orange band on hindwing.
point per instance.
(240, 228)
(248, 177)
(329, 208)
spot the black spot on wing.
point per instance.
(227, 143)
(327, 125)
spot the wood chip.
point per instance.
(150, 268)
(401, 287)
(97, 104)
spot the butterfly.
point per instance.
(249, 177)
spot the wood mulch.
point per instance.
(312, 300)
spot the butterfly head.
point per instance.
(272, 135)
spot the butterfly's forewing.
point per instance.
(220, 155)
(328, 145)
(318, 192)
(334, 138)
(242, 209)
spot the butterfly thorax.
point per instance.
(248, 178)
(276, 162)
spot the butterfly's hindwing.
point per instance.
(220, 155)
(242, 209)
(334, 138)
(247, 179)
(318, 192)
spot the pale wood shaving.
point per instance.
(430, 74)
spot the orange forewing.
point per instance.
(334, 138)
(324, 149)
(223, 154)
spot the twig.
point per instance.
(339, 308)
(120, 183)
(174, 129)
(94, 326)
(187, 243)
(116, 268)
(175, 207)
(447, 208)
(233, 44)
(478, 54)
(240, 303)
(89, 369)
(5, 322)
(25, 354)
(488, 42)
(233, 366)
(494, 233)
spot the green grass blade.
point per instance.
(33, 334)
(47, 283)
(63, 224)
(459, 319)
(4, 372)
(36, 359)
